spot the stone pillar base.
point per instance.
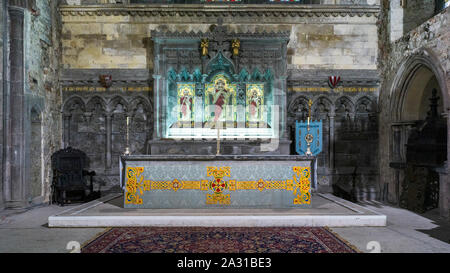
(21, 204)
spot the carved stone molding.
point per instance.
(349, 77)
(222, 11)
(119, 76)
(301, 77)
(228, 35)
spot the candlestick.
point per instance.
(127, 149)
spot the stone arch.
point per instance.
(321, 107)
(220, 63)
(320, 110)
(344, 104)
(72, 103)
(297, 111)
(140, 99)
(140, 108)
(412, 66)
(95, 115)
(119, 111)
(74, 120)
(410, 90)
(298, 107)
(345, 113)
(365, 105)
(91, 105)
(141, 119)
(118, 104)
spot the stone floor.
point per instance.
(28, 231)
(324, 210)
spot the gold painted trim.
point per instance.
(102, 89)
(338, 89)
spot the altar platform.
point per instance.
(325, 210)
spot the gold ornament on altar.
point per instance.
(235, 44)
(136, 185)
(204, 45)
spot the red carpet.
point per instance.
(218, 240)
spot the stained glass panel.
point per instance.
(220, 94)
(186, 93)
(255, 104)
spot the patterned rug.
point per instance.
(218, 240)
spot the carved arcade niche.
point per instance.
(349, 136)
(98, 125)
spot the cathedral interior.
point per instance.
(110, 77)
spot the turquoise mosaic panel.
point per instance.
(217, 184)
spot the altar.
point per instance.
(226, 88)
(243, 181)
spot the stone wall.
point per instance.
(124, 41)
(393, 20)
(405, 16)
(417, 12)
(2, 26)
(42, 88)
(429, 41)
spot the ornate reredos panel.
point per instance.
(219, 76)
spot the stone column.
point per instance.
(67, 130)
(444, 181)
(108, 141)
(14, 176)
(331, 115)
(444, 192)
(157, 106)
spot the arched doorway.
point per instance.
(419, 129)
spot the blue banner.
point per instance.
(308, 138)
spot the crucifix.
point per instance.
(219, 125)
